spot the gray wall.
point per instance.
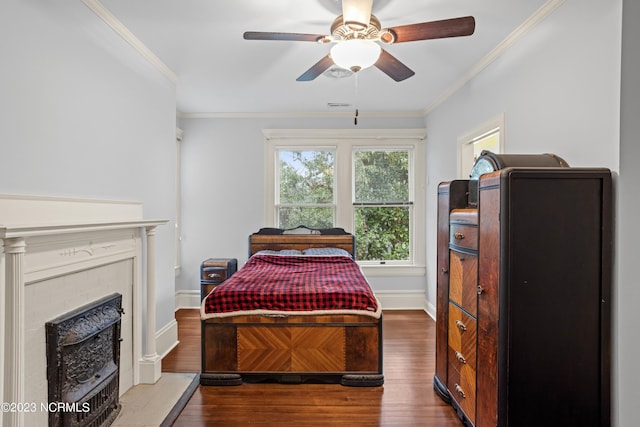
(223, 190)
(83, 115)
(559, 88)
(627, 295)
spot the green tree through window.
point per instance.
(381, 198)
(306, 190)
(382, 204)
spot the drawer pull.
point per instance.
(480, 290)
(458, 236)
(460, 357)
(459, 391)
(461, 326)
(214, 276)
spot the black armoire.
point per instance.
(524, 293)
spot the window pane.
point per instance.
(314, 217)
(306, 177)
(382, 233)
(381, 176)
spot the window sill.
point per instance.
(393, 270)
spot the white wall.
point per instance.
(627, 292)
(559, 88)
(223, 190)
(83, 115)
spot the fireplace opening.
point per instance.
(83, 364)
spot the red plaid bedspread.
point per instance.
(276, 283)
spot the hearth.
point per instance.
(83, 361)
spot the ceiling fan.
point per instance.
(356, 33)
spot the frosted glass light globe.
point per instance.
(355, 54)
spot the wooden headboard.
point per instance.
(276, 242)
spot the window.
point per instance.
(382, 204)
(486, 137)
(365, 181)
(305, 188)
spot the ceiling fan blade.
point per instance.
(356, 12)
(454, 27)
(393, 68)
(318, 68)
(257, 35)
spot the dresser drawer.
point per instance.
(217, 270)
(462, 388)
(463, 236)
(461, 381)
(213, 275)
(214, 271)
(462, 336)
(463, 229)
(463, 280)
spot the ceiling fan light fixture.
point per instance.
(355, 54)
(356, 13)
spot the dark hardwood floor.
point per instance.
(406, 399)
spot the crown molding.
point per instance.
(369, 134)
(301, 115)
(116, 25)
(545, 10)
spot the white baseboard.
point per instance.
(390, 300)
(401, 300)
(187, 299)
(430, 309)
(167, 338)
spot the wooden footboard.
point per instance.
(343, 349)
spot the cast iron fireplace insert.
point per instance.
(83, 364)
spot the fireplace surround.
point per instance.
(56, 255)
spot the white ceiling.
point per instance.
(218, 71)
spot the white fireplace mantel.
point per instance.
(44, 239)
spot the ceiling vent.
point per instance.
(332, 105)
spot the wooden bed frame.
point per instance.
(332, 348)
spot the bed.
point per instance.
(299, 336)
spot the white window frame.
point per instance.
(412, 197)
(178, 228)
(466, 143)
(344, 141)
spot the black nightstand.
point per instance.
(214, 271)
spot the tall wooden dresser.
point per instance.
(524, 296)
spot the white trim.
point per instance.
(391, 270)
(345, 140)
(167, 338)
(370, 135)
(178, 223)
(301, 115)
(49, 237)
(497, 122)
(539, 15)
(17, 209)
(401, 300)
(187, 299)
(430, 309)
(116, 25)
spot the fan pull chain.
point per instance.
(355, 119)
